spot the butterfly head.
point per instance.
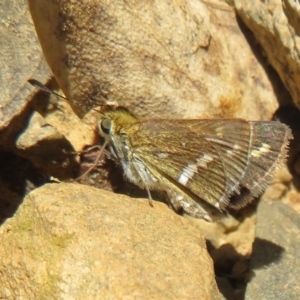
(112, 121)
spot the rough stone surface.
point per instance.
(69, 241)
(275, 261)
(292, 198)
(52, 138)
(275, 24)
(129, 53)
(21, 59)
(45, 146)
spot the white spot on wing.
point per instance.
(235, 147)
(219, 132)
(187, 173)
(265, 148)
(229, 152)
(162, 155)
(179, 197)
(204, 160)
(256, 153)
(217, 205)
(185, 205)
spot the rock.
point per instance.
(275, 261)
(128, 53)
(292, 198)
(40, 143)
(230, 245)
(284, 175)
(77, 242)
(242, 238)
(225, 287)
(275, 191)
(21, 58)
(53, 137)
(17, 178)
(275, 25)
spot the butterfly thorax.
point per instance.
(120, 126)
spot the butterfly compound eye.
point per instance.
(105, 126)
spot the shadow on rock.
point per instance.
(17, 178)
(233, 270)
(265, 253)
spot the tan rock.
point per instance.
(21, 58)
(283, 175)
(70, 241)
(18, 43)
(216, 232)
(292, 198)
(46, 147)
(274, 192)
(242, 238)
(158, 59)
(122, 54)
(275, 26)
(53, 137)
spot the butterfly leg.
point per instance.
(96, 161)
(149, 196)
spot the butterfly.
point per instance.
(204, 165)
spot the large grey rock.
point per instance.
(276, 257)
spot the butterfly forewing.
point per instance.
(209, 162)
(194, 164)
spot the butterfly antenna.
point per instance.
(42, 87)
